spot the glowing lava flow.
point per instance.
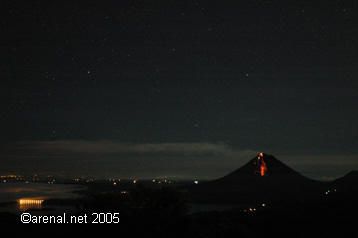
(262, 164)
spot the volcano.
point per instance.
(262, 168)
(263, 178)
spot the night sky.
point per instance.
(177, 88)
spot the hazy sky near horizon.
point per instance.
(184, 88)
(105, 159)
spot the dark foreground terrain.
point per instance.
(280, 203)
(166, 213)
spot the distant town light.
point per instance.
(134, 181)
(263, 205)
(29, 203)
(196, 182)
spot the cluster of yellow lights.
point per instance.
(30, 201)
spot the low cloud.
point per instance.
(113, 147)
(113, 158)
(185, 159)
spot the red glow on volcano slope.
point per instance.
(262, 164)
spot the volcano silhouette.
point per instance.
(275, 170)
(247, 184)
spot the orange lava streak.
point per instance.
(263, 167)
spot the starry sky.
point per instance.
(177, 88)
